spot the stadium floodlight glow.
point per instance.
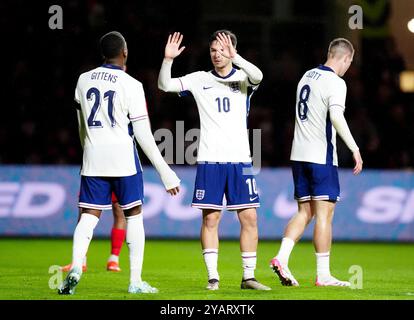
(410, 25)
(407, 81)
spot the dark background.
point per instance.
(40, 67)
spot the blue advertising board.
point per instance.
(42, 201)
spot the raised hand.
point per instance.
(227, 50)
(172, 48)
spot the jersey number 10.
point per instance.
(223, 104)
(108, 95)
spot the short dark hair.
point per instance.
(233, 37)
(111, 44)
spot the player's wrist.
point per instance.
(170, 179)
(236, 58)
(168, 59)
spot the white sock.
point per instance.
(210, 259)
(82, 238)
(135, 239)
(322, 265)
(285, 250)
(113, 257)
(84, 261)
(249, 260)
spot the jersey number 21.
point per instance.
(109, 96)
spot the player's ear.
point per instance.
(125, 52)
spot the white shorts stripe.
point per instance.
(131, 205)
(94, 206)
(243, 206)
(303, 199)
(316, 198)
(320, 197)
(206, 206)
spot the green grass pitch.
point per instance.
(176, 268)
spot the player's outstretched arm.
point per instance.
(143, 134)
(227, 50)
(341, 126)
(172, 50)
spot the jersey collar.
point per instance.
(325, 68)
(111, 66)
(225, 77)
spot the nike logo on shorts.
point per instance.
(206, 88)
(252, 199)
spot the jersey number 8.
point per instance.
(303, 103)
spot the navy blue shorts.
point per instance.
(96, 192)
(233, 180)
(315, 181)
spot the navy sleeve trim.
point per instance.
(184, 93)
(253, 84)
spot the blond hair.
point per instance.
(340, 47)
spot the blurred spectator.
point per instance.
(40, 125)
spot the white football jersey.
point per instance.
(315, 137)
(223, 104)
(109, 101)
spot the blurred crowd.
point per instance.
(40, 124)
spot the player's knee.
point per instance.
(211, 220)
(133, 211)
(324, 217)
(306, 215)
(248, 219)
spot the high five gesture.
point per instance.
(227, 49)
(172, 48)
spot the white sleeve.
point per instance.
(137, 109)
(77, 94)
(77, 98)
(165, 82)
(82, 131)
(81, 127)
(143, 134)
(253, 73)
(337, 94)
(338, 121)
